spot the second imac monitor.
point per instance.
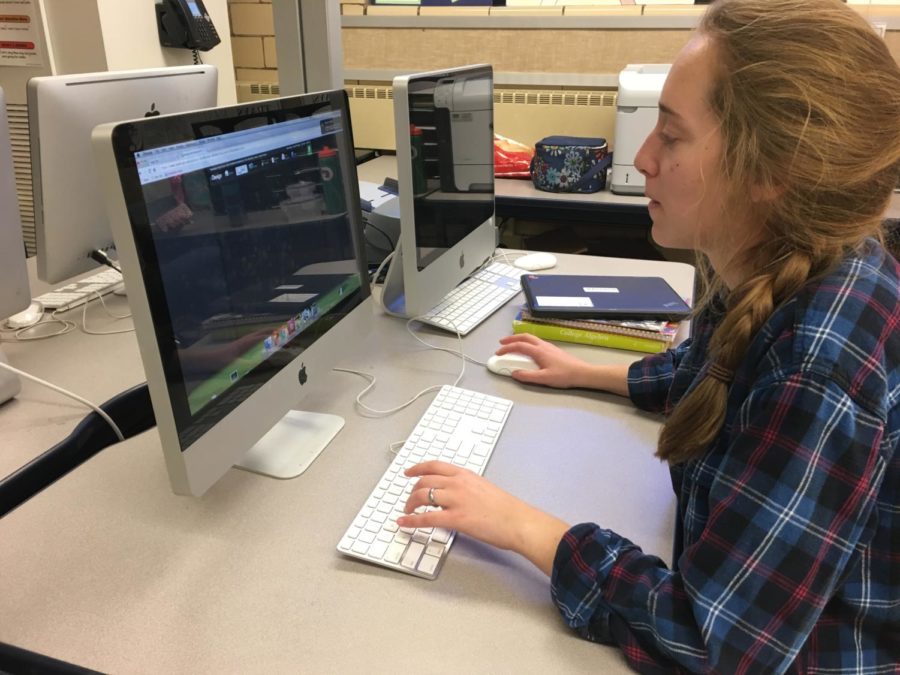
(445, 167)
(70, 218)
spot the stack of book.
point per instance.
(639, 336)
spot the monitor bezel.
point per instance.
(194, 469)
(409, 291)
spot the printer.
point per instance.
(464, 122)
(637, 107)
(381, 218)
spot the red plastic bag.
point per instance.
(511, 158)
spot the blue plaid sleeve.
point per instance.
(791, 500)
(650, 379)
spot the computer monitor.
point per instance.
(14, 289)
(240, 238)
(445, 170)
(69, 214)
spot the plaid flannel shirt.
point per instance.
(787, 543)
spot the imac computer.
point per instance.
(445, 172)
(240, 237)
(14, 289)
(70, 219)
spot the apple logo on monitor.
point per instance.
(301, 374)
(462, 260)
(153, 112)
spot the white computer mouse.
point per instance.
(505, 364)
(535, 261)
(27, 317)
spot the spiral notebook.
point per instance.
(566, 296)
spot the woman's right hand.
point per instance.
(558, 368)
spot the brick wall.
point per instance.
(252, 41)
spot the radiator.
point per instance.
(372, 114)
(257, 91)
(528, 116)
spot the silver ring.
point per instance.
(431, 497)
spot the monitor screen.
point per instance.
(445, 166)
(69, 214)
(242, 241)
(15, 294)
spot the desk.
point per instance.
(518, 198)
(108, 569)
(617, 224)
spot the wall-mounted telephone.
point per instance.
(185, 23)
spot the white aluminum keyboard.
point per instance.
(461, 427)
(476, 298)
(79, 292)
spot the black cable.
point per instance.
(384, 234)
(100, 256)
(197, 60)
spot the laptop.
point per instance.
(565, 296)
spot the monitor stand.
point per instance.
(10, 385)
(290, 446)
(393, 297)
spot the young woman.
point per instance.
(776, 149)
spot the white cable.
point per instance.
(22, 335)
(106, 309)
(375, 411)
(60, 390)
(459, 353)
(409, 322)
(427, 390)
(501, 253)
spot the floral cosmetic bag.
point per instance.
(570, 164)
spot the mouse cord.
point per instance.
(456, 352)
(502, 253)
(409, 322)
(465, 357)
(436, 387)
(373, 379)
(65, 392)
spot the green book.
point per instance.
(588, 337)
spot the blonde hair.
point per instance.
(808, 101)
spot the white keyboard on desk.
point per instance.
(476, 298)
(460, 427)
(79, 292)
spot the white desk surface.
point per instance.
(110, 570)
(376, 170)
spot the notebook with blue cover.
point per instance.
(566, 296)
